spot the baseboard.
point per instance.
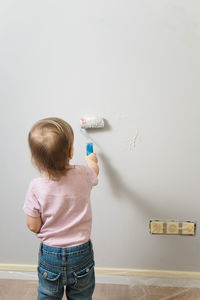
(149, 273)
(114, 271)
(18, 267)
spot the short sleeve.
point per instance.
(31, 205)
(92, 176)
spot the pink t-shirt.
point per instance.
(64, 207)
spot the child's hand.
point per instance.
(92, 161)
(91, 158)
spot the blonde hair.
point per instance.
(51, 141)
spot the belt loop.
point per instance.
(40, 248)
(63, 255)
(91, 245)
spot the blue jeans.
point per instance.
(72, 267)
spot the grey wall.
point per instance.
(137, 64)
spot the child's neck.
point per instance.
(46, 175)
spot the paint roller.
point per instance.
(93, 122)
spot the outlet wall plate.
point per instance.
(172, 227)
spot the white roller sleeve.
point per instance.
(92, 122)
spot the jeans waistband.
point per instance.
(67, 251)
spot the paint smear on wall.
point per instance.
(132, 141)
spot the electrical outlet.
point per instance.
(156, 227)
(172, 227)
(188, 228)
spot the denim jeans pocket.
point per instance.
(84, 275)
(48, 281)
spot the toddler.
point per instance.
(58, 209)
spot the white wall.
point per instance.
(137, 64)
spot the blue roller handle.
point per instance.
(89, 148)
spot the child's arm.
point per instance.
(92, 162)
(34, 223)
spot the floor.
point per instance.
(27, 290)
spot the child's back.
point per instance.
(64, 206)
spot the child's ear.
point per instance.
(71, 152)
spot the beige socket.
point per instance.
(172, 228)
(188, 228)
(157, 227)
